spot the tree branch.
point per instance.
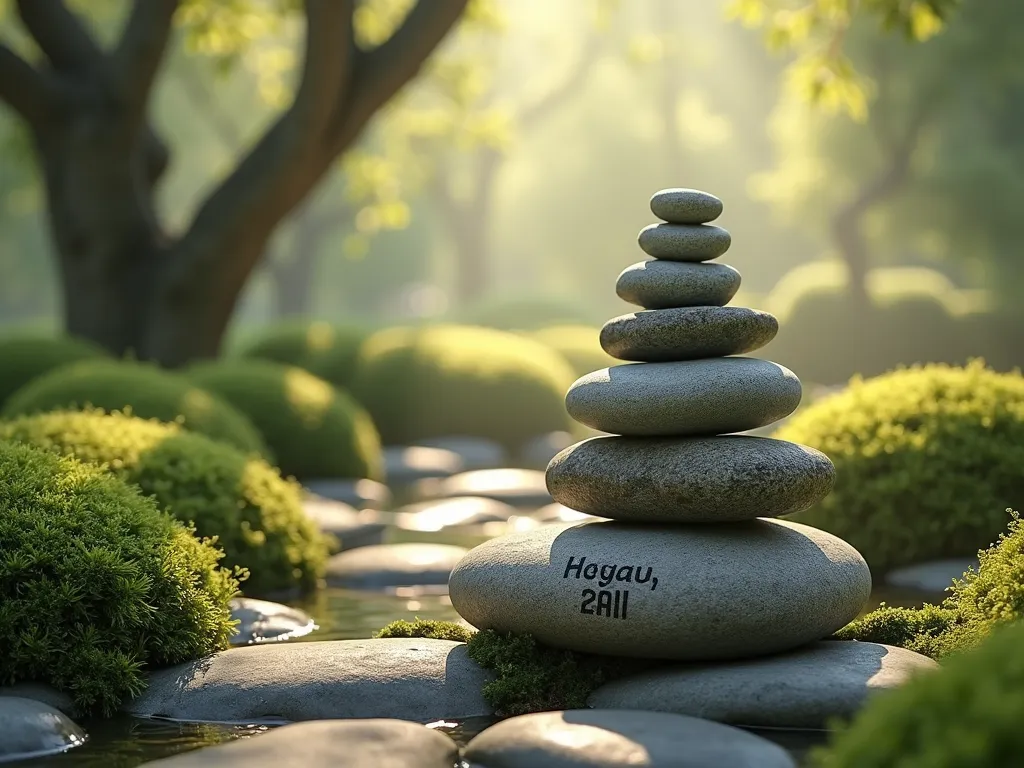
(202, 100)
(136, 59)
(380, 74)
(24, 88)
(60, 34)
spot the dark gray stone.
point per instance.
(684, 242)
(687, 333)
(404, 678)
(361, 494)
(680, 205)
(330, 744)
(619, 739)
(661, 284)
(689, 480)
(387, 566)
(261, 621)
(30, 728)
(802, 689)
(692, 397)
(685, 592)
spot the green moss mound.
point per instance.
(978, 603)
(27, 357)
(325, 350)
(145, 390)
(314, 429)
(528, 677)
(968, 713)
(421, 383)
(255, 514)
(580, 345)
(925, 458)
(96, 584)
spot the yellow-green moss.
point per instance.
(325, 350)
(27, 357)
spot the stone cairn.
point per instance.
(693, 562)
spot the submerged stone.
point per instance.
(30, 728)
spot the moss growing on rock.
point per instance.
(97, 585)
(145, 390)
(314, 429)
(421, 383)
(27, 357)
(925, 460)
(256, 514)
(968, 713)
(325, 350)
(981, 601)
(429, 628)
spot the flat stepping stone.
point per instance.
(684, 242)
(261, 621)
(802, 689)
(612, 739)
(387, 566)
(30, 728)
(404, 465)
(934, 577)
(405, 678)
(361, 494)
(475, 452)
(446, 513)
(661, 284)
(353, 528)
(331, 744)
(692, 593)
(521, 488)
(687, 333)
(692, 397)
(689, 480)
(680, 205)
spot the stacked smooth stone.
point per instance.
(693, 563)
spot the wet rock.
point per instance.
(353, 528)
(404, 465)
(520, 488)
(30, 728)
(361, 494)
(447, 513)
(261, 621)
(387, 566)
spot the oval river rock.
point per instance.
(686, 206)
(661, 284)
(684, 242)
(694, 593)
(692, 397)
(689, 480)
(687, 333)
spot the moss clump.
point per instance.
(144, 390)
(314, 429)
(968, 713)
(97, 585)
(925, 458)
(429, 628)
(325, 350)
(255, 514)
(421, 383)
(982, 600)
(580, 345)
(27, 357)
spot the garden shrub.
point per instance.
(526, 313)
(977, 603)
(926, 458)
(580, 345)
(27, 357)
(143, 389)
(314, 429)
(967, 713)
(421, 383)
(97, 585)
(325, 350)
(255, 514)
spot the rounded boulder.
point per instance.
(679, 205)
(684, 242)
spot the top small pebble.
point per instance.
(685, 206)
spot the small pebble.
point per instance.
(685, 206)
(684, 242)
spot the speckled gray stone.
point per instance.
(684, 242)
(393, 565)
(691, 397)
(689, 480)
(620, 739)
(801, 689)
(405, 678)
(30, 728)
(329, 744)
(687, 333)
(685, 206)
(661, 284)
(692, 593)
